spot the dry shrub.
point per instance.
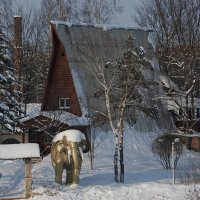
(193, 194)
(190, 173)
(162, 150)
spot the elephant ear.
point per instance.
(83, 145)
(59, 146)
(53, 155)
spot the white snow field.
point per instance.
(145, 179)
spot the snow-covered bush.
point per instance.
(162, 150)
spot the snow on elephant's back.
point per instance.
(72, 136)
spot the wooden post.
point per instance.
(28, 178)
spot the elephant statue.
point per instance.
(67, 153)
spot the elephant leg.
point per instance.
(76, 176)
(58, 172)
(76, 162)
(69, 178)
(76, 171)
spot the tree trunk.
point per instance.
(91, 152)
(187, 116)
(116, 174)
(192, 107)
(121, 151)
(116, 134)
(92, 155)
(121, 143)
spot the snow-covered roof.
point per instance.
(33, 108)
(19, 151)
(61, 116)
(72, 136)
(168, 83)
(105, 27)
(173, 104)
(88, 44)
(178, 100)
(17, 16)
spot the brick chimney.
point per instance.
(18, 44)
(17, 57)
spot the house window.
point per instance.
(64, 103)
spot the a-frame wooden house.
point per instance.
(70, 88)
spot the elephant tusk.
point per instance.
(53, 164)
(69, 155)
(81, 152)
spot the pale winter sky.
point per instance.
(129, 10)
(124, 18)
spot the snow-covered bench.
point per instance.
(25, 151)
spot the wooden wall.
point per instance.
(60, 82)
(192, 142)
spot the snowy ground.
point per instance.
(145, 179)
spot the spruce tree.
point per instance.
(9, 94)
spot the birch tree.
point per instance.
(120, 86)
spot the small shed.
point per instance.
(26, 152)
(42, 126)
